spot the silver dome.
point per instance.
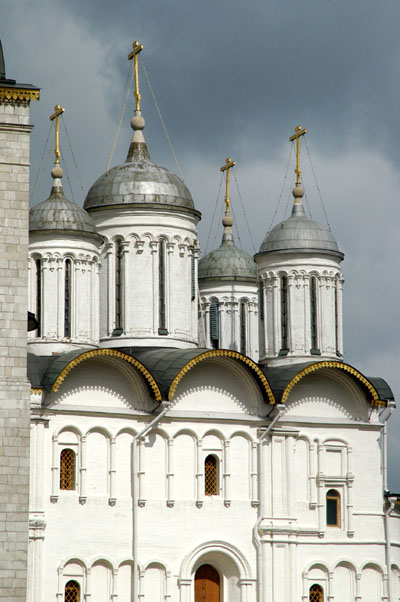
(300, 234)
(228, 262)
(58, 213)
(139, 181)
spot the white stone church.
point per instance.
(196, 434)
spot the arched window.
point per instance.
(316, 593)
(284, 315)
(67, 469)
(72, 592)
(333, 508)
(211, 475)
(162, 324)
(336, 292)
(314, 316)
(38, 311)
(243, 333)
(261, 300)
(214, 324)
(119, 287)
(193, 276)
(67, 297)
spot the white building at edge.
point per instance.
(166, 472)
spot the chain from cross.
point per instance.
(228, 164)
(296, 136)
(58, 110)
(134, 55)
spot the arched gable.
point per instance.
(233, 355)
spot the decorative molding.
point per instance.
(18, 95)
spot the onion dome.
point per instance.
(139, 181)
(228, 262)
(300, 234)
(58, 213)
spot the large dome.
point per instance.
(300, 234)
(139, 181)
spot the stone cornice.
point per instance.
(15, 94)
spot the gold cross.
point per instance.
(134, 55)
(58, 110)
(296, 136)
(228, 164)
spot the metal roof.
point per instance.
(228, 263)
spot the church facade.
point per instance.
(196, 435)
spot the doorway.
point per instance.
(207, 584)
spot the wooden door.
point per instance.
(206, 584)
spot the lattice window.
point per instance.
(210, 476)
(72, 592)
(214, 324)
(316, 593)
(243, 334)
(67, 298)
(333, 508)
(67, 469)
(119, 284)
(284, 314)
(314, 314)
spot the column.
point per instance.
(185, 586)
(339, 311)
(199, 475)
(141, 472)
(290, 475)
(227, 474)
(312, 477)
(254, 474)
(113, 471)
(276, 315)
(170, 474)
(82, 472)
(88, 590)
(54, 470)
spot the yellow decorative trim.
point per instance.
(36, 391)
(221, 353)
(110, 353)
(309, 369)
(20, 94)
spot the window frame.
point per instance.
(284, 313)
(216, 489)
(68, 271)
(333, 494)
(74, 581)
(74, 475)
(320, 590)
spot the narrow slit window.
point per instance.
(119, 285)
(162, 323)
(316, 593)
(284, 314)
(243, 333)
(336, 292)
(67, 469)
(210, 476)
(214, 324)
(261, 300)
(72, 592)
(193, 277)
(38, 312)
(333, 508)
(67, 297)
(313, 315)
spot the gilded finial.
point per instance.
(134, 55)
(58, 110)
(299, 132)
(228, 164)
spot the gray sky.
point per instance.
(235, 78)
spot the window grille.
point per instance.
(214, 324)
(38, 296)
(67, 469)
(261, 300)
(210, 476)
(192, 277)
(119, 284)
(67, 298)
(333, 508)
(314, 315)
(72, 592)
(316, 593)
(243, 328)
(284, 314)
(162, 326)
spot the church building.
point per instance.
(196, 433)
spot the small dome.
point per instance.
(58, 213)
(228, 263)
(301, 234)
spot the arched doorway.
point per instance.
(207, 584)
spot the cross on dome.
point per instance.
(58, 110)
(134, 55)
(228, 164)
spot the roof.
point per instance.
(300, 234)
(58, 213)
(228, 263)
